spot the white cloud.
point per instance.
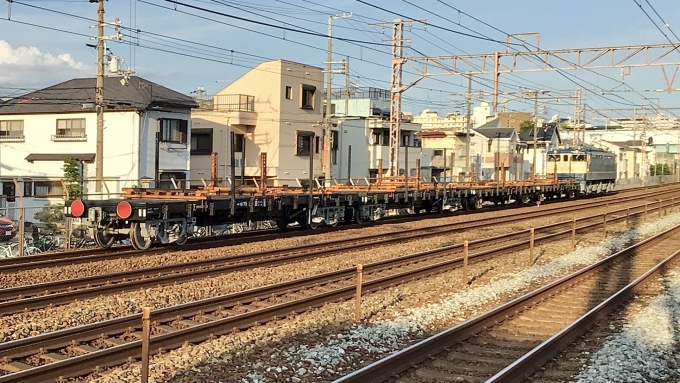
(24, 66)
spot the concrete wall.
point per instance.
(278, 118)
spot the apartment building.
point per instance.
(275, 113)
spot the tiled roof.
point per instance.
(69, 97)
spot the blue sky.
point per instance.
(33, 57)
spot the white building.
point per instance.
(368, 139)
(147, 135)
(277, 108)
(431, 120)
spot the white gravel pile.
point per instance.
(648, 350)
(380, 336)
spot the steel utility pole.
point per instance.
(347, 85)
(533, 168)
(99, 99)
(396, 87)
(577, 119)
(327, 119)
(468, 157)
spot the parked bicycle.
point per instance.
(46, 243)
(11, 250)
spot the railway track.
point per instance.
(10, 265)
(37, 296)
(78, 351)
(119, 252)
(512, 341)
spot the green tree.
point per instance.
(73, 178)
(50, 215)
(660, 169)
(526, 125)
(564, 125)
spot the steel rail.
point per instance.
(538, 356)
(37, 296)
(380, 275)
(88, 255)
(398, 362)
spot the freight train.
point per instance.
(148, 216)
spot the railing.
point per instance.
(21, 138)
(234, 103)
(69, 137)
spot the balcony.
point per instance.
(69, 137)
(20, 138)
(239, 107)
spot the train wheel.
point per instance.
(571, 194)
(282, 223)
(137, 239)
(103, 239)
(358, 218)
(465, 205)
(181, 240)
(311, 225)
(525, 198)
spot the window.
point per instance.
(201, 141)
(48, 189)
(316, 145)
(578, 157)
(173, 130)
(238, 143)
(289, 93)
(405, 141)
(73, 128)
(554, 158)
(566, 158)
(303, 144)
(9, 191)
(307, 100)
(335, 141)
(332, 109)
(11, 129)
(438, 152)
(386, 139)
(28, 188)
(376, 138)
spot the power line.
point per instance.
(305, 32)
(655, 24)
(662, 20)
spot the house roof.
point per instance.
(493, 123)
(496, 132)
(69, 97)
(543, 134)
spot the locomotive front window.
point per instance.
(553, 158)
(566, 158)
(578, 157)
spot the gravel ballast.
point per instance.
(648, 349)
(324, 344)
